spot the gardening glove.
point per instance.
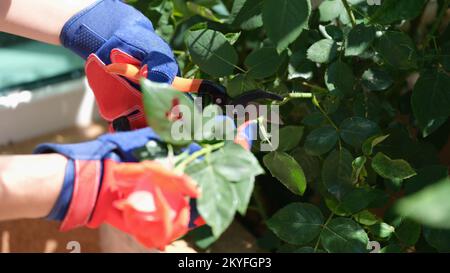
(110, 31)
(104, 183)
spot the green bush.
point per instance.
(358, 156)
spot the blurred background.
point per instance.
(43, 98)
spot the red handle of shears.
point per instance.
(134, 73)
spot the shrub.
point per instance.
(358, 159)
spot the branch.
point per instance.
(349, 12)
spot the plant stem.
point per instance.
(295, 95)
(323, 227)
(313, 86)
(178, 52)
(206, 150)
(300, 95)
(324, 113)
(349, 12)
(436, 24)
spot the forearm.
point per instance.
(40, 20)
(30, 184)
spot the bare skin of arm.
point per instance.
(30, 185)
(40, 20)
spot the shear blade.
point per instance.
(254, 95)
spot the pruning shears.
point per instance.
(204, 88)
(124, 110)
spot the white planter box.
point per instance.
(25, 114)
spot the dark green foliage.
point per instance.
(354, 133)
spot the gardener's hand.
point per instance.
(110, 31)
(112, 24)
(105, 184)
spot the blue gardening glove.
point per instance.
(112, 24)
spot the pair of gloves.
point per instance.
(103, 181)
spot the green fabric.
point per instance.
(9, 39)
(30, 62)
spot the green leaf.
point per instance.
(166, 109)
(323, 51)
(199, 26)
(321, 140)
(284, 20)
(297, 223)
(382, 230)
(212, 52)
(392, 248)
(240, 84)
(359, 39)
(335, 206)
(310, 164)
(343, 235)
(247, 14)
(376, 79)
(357, 200)
(339, 78)
(236, 163)
(288, 248)
(283, 167)
(244, 190)
(290, 137)
(202, 236)
(407, 231)
(370, 106)
(392, 169)
(263, 62)
(268, 240)
(359, 170)
(438, 238)
(330, 10)
(391, 11)
(202, 11)
(314, 119)
(233, 37)
(218, 203)
(397, 49)
(429, 206)
(332, 32)
(307, 249)
(337, 172)
(215, 175)
(366, 218)
(431, 99)
(180, 7)
(432, 126)
(299, 66)
(354, 131)
(371, 143)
